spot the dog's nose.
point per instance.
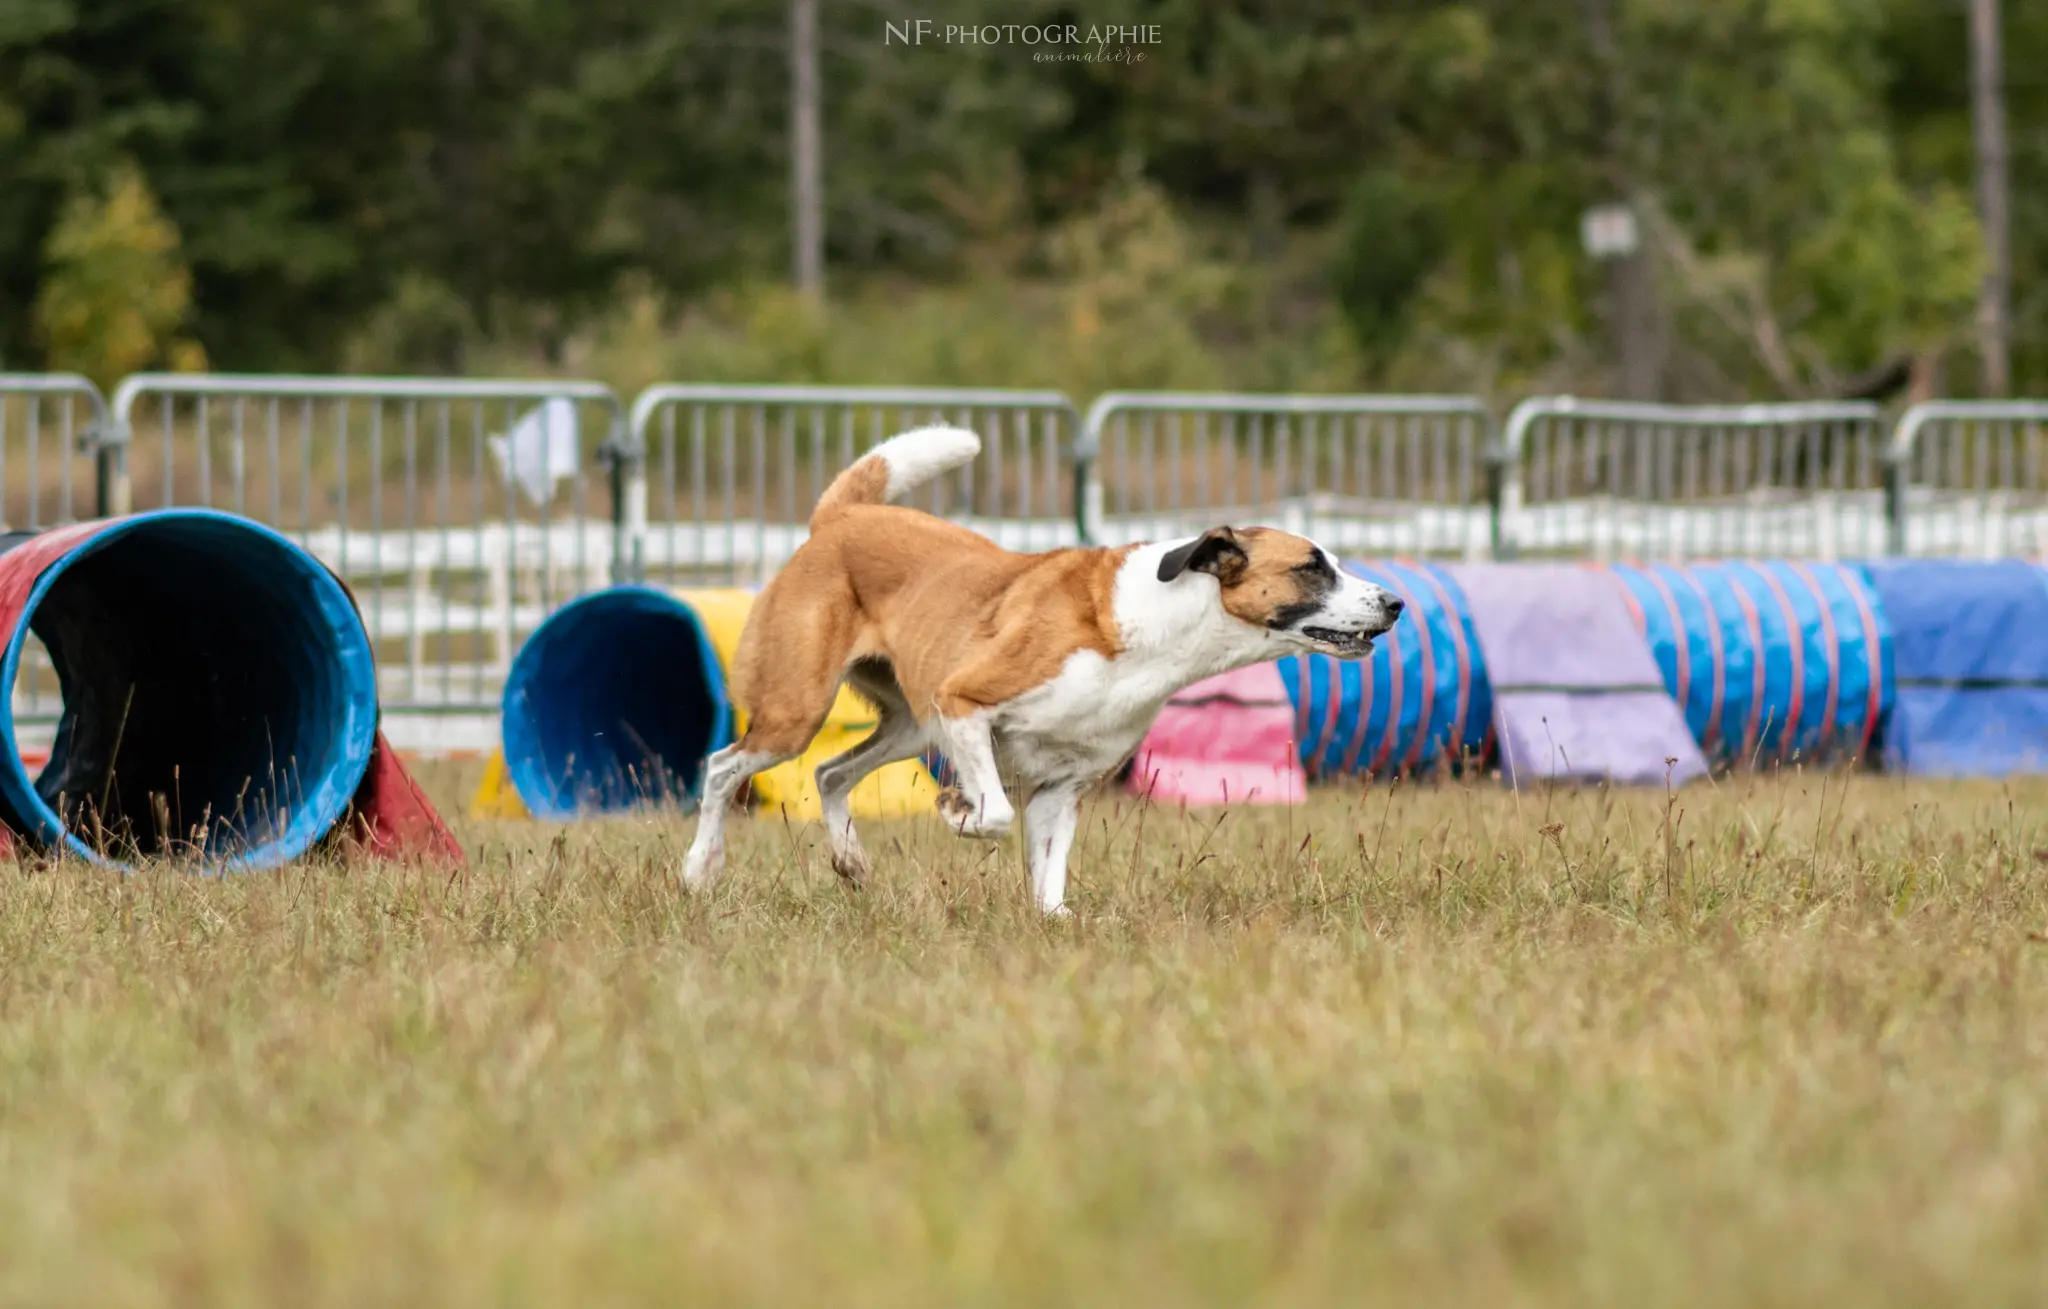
(1394, 605)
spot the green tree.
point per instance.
(399, 180)
(1925, 89)
(1390, 240)
(115, 292)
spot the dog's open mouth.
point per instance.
(1349, 645)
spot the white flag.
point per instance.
(540, 450)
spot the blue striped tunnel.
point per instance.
(1419, 703)
(1771, 661)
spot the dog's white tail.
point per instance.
(898, 464)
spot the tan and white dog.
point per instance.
(1047, 667)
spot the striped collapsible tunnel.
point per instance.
(1773, 661)
(1420, 701)
(219, 701)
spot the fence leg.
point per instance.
(1504, 493)
(502, 597)
(1895, 508)
(419, 603)
(1087, 502)
(629, 506)
(112, 495)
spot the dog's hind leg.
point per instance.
(789, 712)
(725, 772)
(895, 737)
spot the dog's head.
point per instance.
(1289, 586)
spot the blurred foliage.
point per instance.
(1279, 193)
(115, 291)
(1391, 239)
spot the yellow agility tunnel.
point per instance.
(616, 699)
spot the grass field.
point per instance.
(1781, 1043)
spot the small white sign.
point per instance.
(1608, 231)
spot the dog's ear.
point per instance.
(1216, 552)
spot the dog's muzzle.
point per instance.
(1345, 645)
(1354, 642)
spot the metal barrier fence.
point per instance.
(1366, 474)
(54, 460)
(1605, 480)
(727, 475)
(459, 511)
(53, 429)
(1971, 478)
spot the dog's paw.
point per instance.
(702, 866)
(987, 818)
(852, 866)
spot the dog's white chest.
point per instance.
(1093, 713)
(1086, 720)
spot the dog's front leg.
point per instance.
(977, 806)
(1051, 817)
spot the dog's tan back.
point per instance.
(890, 583)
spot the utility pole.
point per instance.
(807, 189)
(1612, 231)
(1994, 207)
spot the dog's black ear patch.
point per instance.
(1216, 552)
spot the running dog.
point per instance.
(1047, 667)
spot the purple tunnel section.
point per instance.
(1577, 695)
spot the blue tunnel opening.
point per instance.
(219, 693)
(613, 703)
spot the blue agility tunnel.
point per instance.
(1418, 703)
(1971, 640)
(614, 702)
(1770, 661)
(220, 698)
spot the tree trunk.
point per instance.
(1632, 287)
(461, 181)
(1924, 382)
(1632, 316)
(1987, 119)
(806, 163)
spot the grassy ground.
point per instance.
(1781, 1044)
